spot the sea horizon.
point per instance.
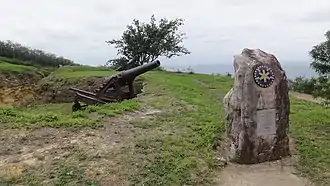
(292, 70)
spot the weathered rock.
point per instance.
(257, 111)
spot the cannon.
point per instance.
(112, 90)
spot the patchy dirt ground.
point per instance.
(48, 156)
(270, 174)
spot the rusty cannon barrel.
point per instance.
(134, 72)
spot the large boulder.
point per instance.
(257, 109)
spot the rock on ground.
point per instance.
(257, 109)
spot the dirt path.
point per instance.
(305, 97)
(275, 173)
(270, 174)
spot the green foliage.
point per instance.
(145, 42)
(322, 89)
(304, 85)
(321, 56)
(321, 64)
(60, 115)
(19, 54)
(316, 86)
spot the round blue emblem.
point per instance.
(263, 76)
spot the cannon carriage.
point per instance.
(113, 89)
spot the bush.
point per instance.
(316, 86)
(304, 85)
(322, 88)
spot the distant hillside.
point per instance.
(16, 53)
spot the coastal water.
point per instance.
(292, 70)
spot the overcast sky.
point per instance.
(216, 29)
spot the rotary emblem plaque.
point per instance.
(263, 76)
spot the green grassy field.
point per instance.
(4, 66)
(310, 128)
(174, 147)
(60, 115)
(83, 71)
(16, 66)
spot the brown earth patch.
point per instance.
(15, 79)
(16, 89)
(57, 90)
(16, 96)
(99, 155)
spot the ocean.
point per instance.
(291, 70)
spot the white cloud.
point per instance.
(216, 29)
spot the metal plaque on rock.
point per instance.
(266, 122)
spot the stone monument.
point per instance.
(257, 109)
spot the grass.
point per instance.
(60, 115)
(5, 67)
(83, 71)
(310, 127)
(177, 145)
(69, 171)
(16, 66)
(16, 61)
(184, 154)
(13, 65)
